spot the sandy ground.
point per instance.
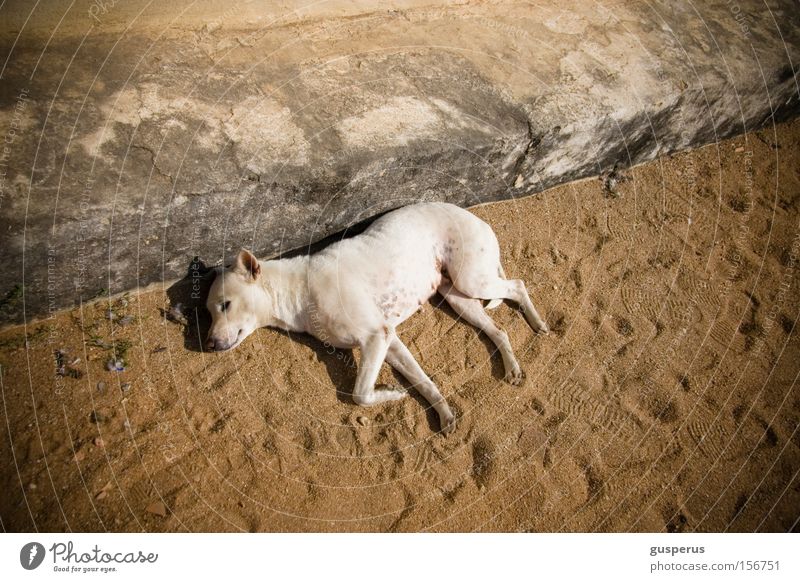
(665, 398)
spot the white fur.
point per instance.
(357, 291)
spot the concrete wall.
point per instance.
(139, 134)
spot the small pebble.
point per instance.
(98, 442)
(125, 386)
(32, 486)
(157, 508)
(101, 387)
(127, 320)
(739, 150)
(97, 417)
(362, 420)
(101, 495)
(159, 349)
(113, 365)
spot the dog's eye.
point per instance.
(225, 305)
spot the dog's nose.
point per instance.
(223, 342)
(217, 344)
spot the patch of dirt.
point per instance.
(665, 399)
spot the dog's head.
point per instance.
(235, 301)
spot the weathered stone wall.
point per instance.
(137, 136)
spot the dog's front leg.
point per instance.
(373, 352)
(402, 360)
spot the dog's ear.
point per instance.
(247, 264)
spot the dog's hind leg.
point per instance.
(514, 289)
(473, 312)
(373, 353)
(475, 270)
(482, 287)
(401, 359)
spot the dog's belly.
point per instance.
(380, 278)
(398, 297)
(373, 297)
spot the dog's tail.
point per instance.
(496, 302)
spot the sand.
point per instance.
(664, 399)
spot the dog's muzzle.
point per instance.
(217, 344)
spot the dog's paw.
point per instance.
(542, 328)
(447, 422)
(515, 376)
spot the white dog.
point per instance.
(357, 291)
